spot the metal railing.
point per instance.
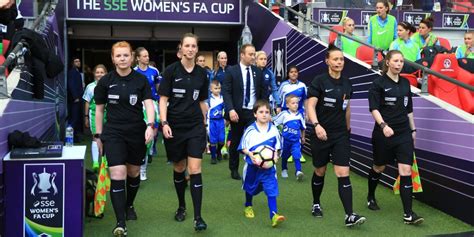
(468, 8)
(22, 47)
(424, 70)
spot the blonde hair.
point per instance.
(261, 52)
(346, 19)
(100, 66)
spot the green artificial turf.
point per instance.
(223, 200)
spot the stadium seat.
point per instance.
(446, 64)
(6, 44)
(445, 43)
(366, 54)
(332, 35)
(412, 77)
(465, 96)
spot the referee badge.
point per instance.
(133, 99)
(195, 94)
(405, 101)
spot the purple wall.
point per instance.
(445, 142)
(41, 118)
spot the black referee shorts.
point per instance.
(396, 148)
(337, 148)
(186, 142)
(124, 144)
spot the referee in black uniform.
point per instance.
(329, 111)
(185, 88)
(394, 132)
(125, 135)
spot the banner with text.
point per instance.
(43, 200)
(176, 11)
(361, 17)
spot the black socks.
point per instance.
(345, 193)
(196, 193)
(118, 198)
(180, 186)
(373, 181)
(317, 184)
(406, 190)
(132, 188)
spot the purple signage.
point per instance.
(43, 200)
(25, 7)
(177, 11)
(361, 17)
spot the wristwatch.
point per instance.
(163, 123)
(383, 125)
(97, 136)
(152, 125)
(315, 124)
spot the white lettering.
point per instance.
(219, 8)
(88, 5)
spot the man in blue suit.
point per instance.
(242, 87)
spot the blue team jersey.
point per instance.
(210, 74)
(293, 124)
(254, 138)
(269, 82)
(153, 76)
(298, 88)
(216, 107)
(220, 74)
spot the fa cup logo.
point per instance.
(46, 181)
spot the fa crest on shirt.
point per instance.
(133, 99)
(405, 101)
(195, 94)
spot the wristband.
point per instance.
(97, 135)
(163, 123)
(413, 130)
(86, 116)
(383, 125)
(152, 125)
(315, 124)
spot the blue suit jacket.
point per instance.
(233, 88)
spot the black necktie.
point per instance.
(247, 89)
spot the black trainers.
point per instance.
(150, 159)
(120, 230)
(412, 219)
(354, 220)
(372, 205)
(180, 214)
(199, 224)
(213, 161)
(317, 211)
(131, 214)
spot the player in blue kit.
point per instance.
(292, 86)
(256, 179)
(293, 135)
(151, 73)
(215, 121)
(221, 67)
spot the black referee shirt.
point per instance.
(333, 97)
(123, 96)
(393, 101)
(185, 90)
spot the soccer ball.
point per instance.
(264, 156)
